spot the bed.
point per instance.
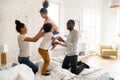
(23, 72)
(58, 73)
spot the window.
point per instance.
(91, 28)
(118, 22)
(53, 12)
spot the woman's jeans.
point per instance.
(25, 60)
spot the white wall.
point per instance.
(109, 27)
(27, 11)
(74, 9)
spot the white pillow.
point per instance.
(8, 74)
(14, 72)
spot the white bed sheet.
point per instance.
(95, 74)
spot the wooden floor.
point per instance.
(111, 64)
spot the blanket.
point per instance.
(58, 73)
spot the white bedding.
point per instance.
(93, 74)
(57, 73)
(19, 72)
(23, 72)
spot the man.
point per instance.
(70, 60)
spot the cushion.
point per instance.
(8, 74)
(105, 46)
(19, 72)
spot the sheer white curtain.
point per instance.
(118, 22)
(91, 28)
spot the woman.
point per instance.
(23, 42)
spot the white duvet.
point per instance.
(23, 72)
(58, 73)
(19, 72)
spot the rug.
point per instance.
(110, 78)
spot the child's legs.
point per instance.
(45, 56)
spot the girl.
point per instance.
(44, 14)
(45, 45)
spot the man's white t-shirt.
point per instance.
(23, 46)
(71, 43)
(47, 40)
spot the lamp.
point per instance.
(115, 3)
(3, 51)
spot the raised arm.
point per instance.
(41, 30)
(35, 38)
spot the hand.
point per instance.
(56, 43)
(60, 39)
